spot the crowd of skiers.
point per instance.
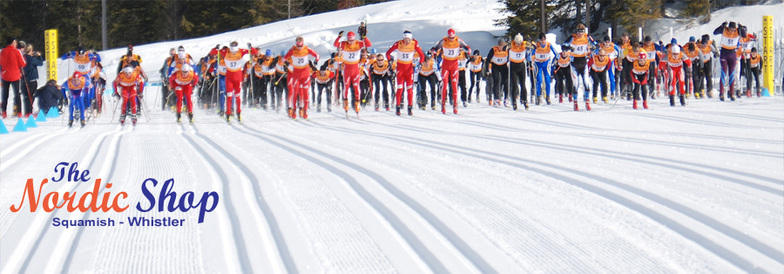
(356, 75)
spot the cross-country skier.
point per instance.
(744, 51)
(450, 51)
(563, 76)
(379, 74)
(730, 39)
(709, 53)
(300, 77)
(518, 69)
(613, 52)
(581, 44)
(128, 81)
(475, 66)
(755, 65)
(182, 82)
(232, 59)
(677, 61)
(498, 58)
(405, 50)
(650, 49)
(599, 65)
(78, 85)
(692, 71)
(324, 79)
(542, 56)
(351, 49)
(640, 77)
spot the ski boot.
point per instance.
(356, 106)
(386, 106)
(634, 104)
(329, 109)
(318, 108)
(538, 100)
(576, 108)
(672, 100)
(293, 115)
(721, 96)
(239, 117)
(190, 117)
(228, 117)
(560, 98)
(683, 100)
(178, 117)
(133, 120)
(377, 108)
(595, 99)
(303, 113)
(604, 99)
(645, 104)
(122, 119)
(443, 110)
(70, 123)
(345, 106)
(410, 113)
(397, 110)
(732, 96)
(83, 123)
(454, 110)
(588, 104)
(759, 93)
(547, 99)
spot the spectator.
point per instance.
(30, 75)
(49, 96)
(12, 62)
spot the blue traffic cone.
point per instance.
(765, 92)
(41, 116)
(53, 113)
(30, 122)
(3, 130)
(20, 126)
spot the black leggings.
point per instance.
(378, 82)
(423, 81)
(17, 99)
(563, 81)
(599, 77)
(500, 74)
(476, 78)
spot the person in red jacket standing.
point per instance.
(11, 64)
(450, 51)
(182, 82)
(351, 55)
(406, 49)
(300, 77)
(232, 57)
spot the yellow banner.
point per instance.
(50, 39)
(767, 53)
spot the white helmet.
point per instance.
(518, 38)
(185, 68)
(128, 70)
(676, 49)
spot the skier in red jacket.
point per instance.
(406, 49)
(450, 51)
(232, 58)
(11, 62)
(300, 77)
(350, 50)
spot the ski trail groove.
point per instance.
(689, 233)
(474, 257)
(403, 231)
(239, 241)
(280, 242)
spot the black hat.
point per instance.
(9, 40)
(476, 52)
(733, 25)
(648, 38)
(607, 38)
(705, 38)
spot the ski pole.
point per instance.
(146, 111)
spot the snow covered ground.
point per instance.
(671, 189)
